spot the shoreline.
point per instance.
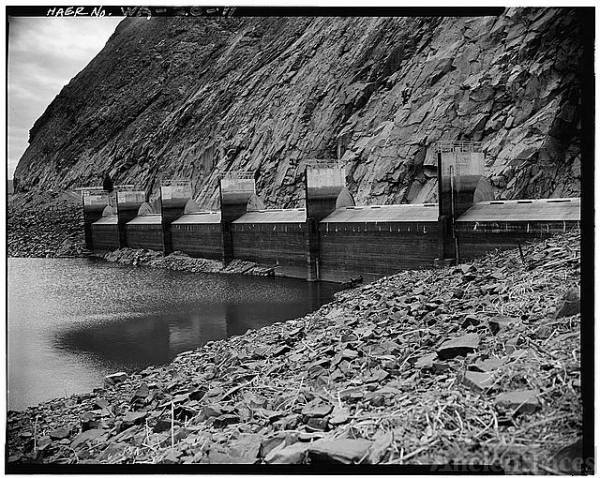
(179, 261)
(372, 377)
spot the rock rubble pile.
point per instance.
(478, 363)
(182, 262)
(45, 225)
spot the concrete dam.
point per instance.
(331, 238)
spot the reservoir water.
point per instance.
(73, 321)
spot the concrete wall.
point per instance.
(144, 236)
(105, 237)
(128, 205)
(198, 240)
(93, 205)
(322, 242)
(460, 166)
(282, 245)
(174, 196)
(477, 239)
(373, 250)
(235, 190)
(323, 183)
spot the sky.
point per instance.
(44, 54)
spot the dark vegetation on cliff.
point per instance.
(190, 98)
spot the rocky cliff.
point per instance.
(190, 98)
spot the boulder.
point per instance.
(502, 322)
(92, 434)
(340, 451)
(288, 455)
(316, 410)
(478, 381)
(524, 401)
(462, 345)
(570, 304)
(115, 378)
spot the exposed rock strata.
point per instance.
(190, 98)
(358, 381)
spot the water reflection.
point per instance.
(72, 321)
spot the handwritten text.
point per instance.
(76, 12)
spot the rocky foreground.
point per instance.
(475, 364)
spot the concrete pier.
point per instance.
(174, 195)
(324, 180)
(94, 201)
(236, 189)
(198, 234)
(105, 231)
(145, 231)
(460, 168)
(128, 205)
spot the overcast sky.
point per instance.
(43, 55)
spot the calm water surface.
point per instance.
(72, 321)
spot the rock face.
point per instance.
(190, 98)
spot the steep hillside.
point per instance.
(190, 98)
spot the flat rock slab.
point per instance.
(316, 410)
(502, 322)
(478, 381)
(459, 346)
(113, 449)
(490, 364)
(426, 362)
(524, 401)
(376, 375)
(60, 433)
(141, 393)
(278, 441)
(115, 378)
(466, 268)
(86, 436)
(570, 305)
(317, 424)
(511, 345)
(339, 416)
(132, 417)
(291, 455)
(344, 450)
(352, 394)
(491, 289)
(470, 320)
(245, 451)
(224, 420)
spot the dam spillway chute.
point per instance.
(255, 203)
(344, 199)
